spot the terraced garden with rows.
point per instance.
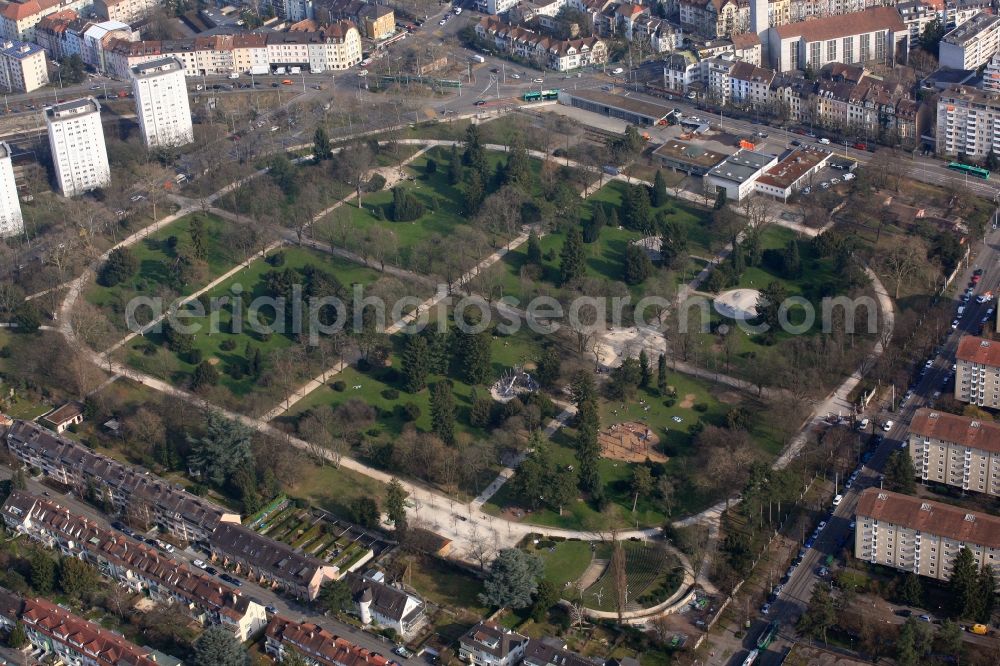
(652, 572)
(318, 534)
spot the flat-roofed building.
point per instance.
(792, 173)
(738, 173)
(920, 536)
(956, 450)
(23, 66)
(977, 375)
(11, 221)
(631, 110)
(161, 103)
(76, 139)
(689, 158)
(972, 44)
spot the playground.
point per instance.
(630, 441)
(515, 382)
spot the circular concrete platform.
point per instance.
(737, 303)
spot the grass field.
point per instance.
(154, 256)
(148, 354)
(565, 561)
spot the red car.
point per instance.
(976, 278)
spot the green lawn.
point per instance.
(377, 383)
(447, 585)
(154, 256)
(565, 561)
(148, 354)
(676, 443)
(605, 256)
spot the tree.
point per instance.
(218, 647)
(454, 166)
(27, 317)
(899, 472)
(321, 145)
(659, 189)
(986, 586)
(661, 374)
(902, 260)
(962, 585)
(120, 266)
(912, 591)
(534, 249)
(546, 597)
(673, 243)
(949, 640)
(205, 374)
(791, 261)
(223, 449)
(475, 154)
(76, 577)
(561, 488)
(405, 206)
(415, 365)
(473, 355)
(395, 504)
(592, 227)
(642, 483)
(907, 653)
(17, 638)
(548, 367)
(43, 572)
(990, 161)
(930, 38)
(443, 411)
(518, 171)
(821, 614)
(645, 369)
(638, 267)
(475, 192)
(571, 259)
(768, 304)
(637, 213)
(365, 512)
(513, 579)
(335, 596)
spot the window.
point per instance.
(814, 61)
(831, 50)
(865, 54)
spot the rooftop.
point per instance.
(962, 430)
(154, 68)
(787, 172)
(75, 107)
(320, 645)
(491, 638)
(978, 350)
(971, 29)
(388, 601)
(65, 413)
(19, 50)
(936, 518)
(743, 165)
(630, 104)
(843, 25)
(278, 559)
(689, 153)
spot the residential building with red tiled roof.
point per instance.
(956, 450)
(921, 536)
(977, 375)
(558, 54)
(18, 19)
(317, 645)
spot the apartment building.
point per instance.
(18, 19)
(317, 645)
(58, 636)
(972, 44)
(489, 644)
(161, 103)
(22, 66)
(383, 605)
(749, 85)
(552, 652)
(738, 173)
(126, 11)
(921, 536)
(76, 139)
(956, 450)
(558, 54)
(977, 378)
(377, 22)
(916, 14)
(11, 221)
(52, 33)
(714, 18)
(272, 562)
(131, 491)
(133, 564)
(872, 35)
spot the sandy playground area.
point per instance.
(631, 442)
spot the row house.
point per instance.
(18, 19)
(271, 562)
(133, 564)
(61, 637)
(956, 450)
(327, 48)
(661, 36)
(919, 536)
(750, 85)
(130, 491)
(680, 70)
(53, 34)
(376, 22)
(316, 645)
(558, 54)
(747, 47)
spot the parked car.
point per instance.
(199, 563)
(229, 579)
(904, 612)
(887, 426)
(212, 570)
(765, 609)
(838, 499)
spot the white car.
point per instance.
(887, 426)
(848, 176)
(676, 419)
(954, 324)
(200, 564)
(834, 181)
(539, 81)
(617, 70)
(837, 500)
(825, 141)
(825, 186)
(806, 190)
(515, 76)
(863, 424)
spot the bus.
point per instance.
(977, 172)
(540, 95)
(767, 636)
(751, 658)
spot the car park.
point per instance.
(848, 176)
(821, 526)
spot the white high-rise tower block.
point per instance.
(11, 222)
(76, 139)
(161, 103)
(759, 21)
